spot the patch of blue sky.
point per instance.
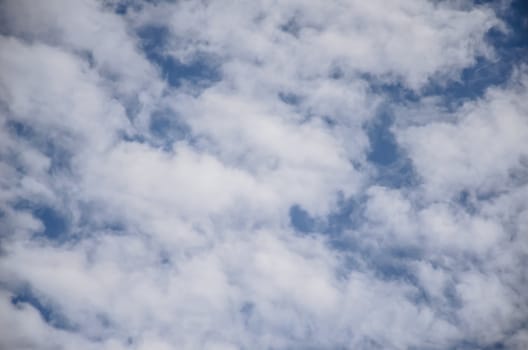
(52, 314)
(471, 200)
(49, 314)
(123, 7)
(55, 223)
(392, 165)
(466, 201)
(202, 70)
(20, 129)
(301, 219)
(133, 137)
(346, 216)
(384, 148)
(167, 128)
(476, 345)
(289, 98)
(164, 134)
(291, 26)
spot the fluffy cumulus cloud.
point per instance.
(263, 175)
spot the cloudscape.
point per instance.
(321, 174)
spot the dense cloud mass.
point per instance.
(263, 174)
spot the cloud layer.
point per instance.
(262, 175)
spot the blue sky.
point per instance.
(260, 175)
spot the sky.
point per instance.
(323, 174)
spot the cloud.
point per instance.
(217, 175)
(449, 154)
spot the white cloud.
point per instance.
(479, 150)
